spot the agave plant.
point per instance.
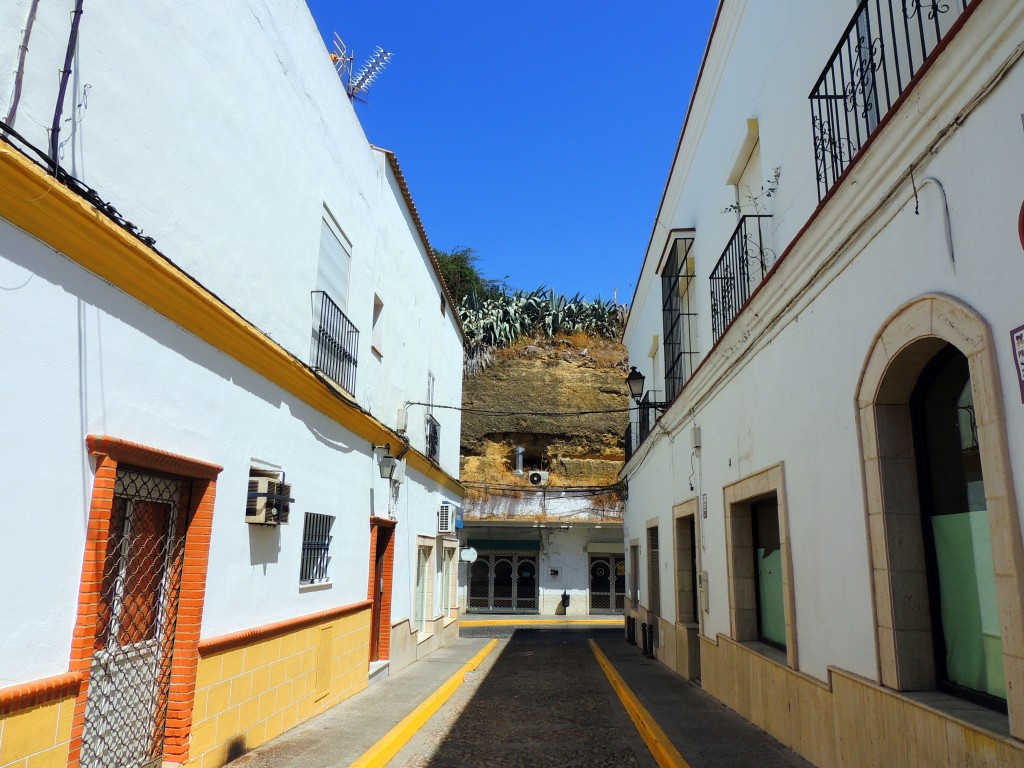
(500, 320)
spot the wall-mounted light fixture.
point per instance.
(387, 462)
(635, 382)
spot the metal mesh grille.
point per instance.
(504, 582)
(126, 705)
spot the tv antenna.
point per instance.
(360, 82)
(342, 59)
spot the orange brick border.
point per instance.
(376, 525)
(28, 695)
(110, 452)
(245, 637)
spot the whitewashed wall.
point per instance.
(789, 396)
(222, 130)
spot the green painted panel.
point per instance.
(967, 598)
(769, 595)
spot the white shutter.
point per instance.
(332, 274)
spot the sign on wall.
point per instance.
(1017, 334)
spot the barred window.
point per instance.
(679, 316)
(316, 544)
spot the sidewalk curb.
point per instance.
(381, 753)
(664, 752)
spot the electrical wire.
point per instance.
(568, 490)
(488, 412)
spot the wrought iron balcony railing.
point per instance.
(743, 265)
(433, 439)
(648, 412)
(335, 342)
(883, 48)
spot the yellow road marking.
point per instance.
(381, 753)
(511, 622)
(666, 755)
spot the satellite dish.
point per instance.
(467, 555)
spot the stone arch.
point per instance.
(907, 341)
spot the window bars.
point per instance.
(316, 544)
(742, 267)
(433, 441)
(678, 317)
(335, 342)
(878, 56)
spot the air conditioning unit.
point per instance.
(446, 517)
(269, 501)
(538, 477)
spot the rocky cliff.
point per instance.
(568, 374)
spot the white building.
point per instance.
(822, 520)
(162, 403)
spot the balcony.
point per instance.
(646, 415)
(335, 342)
(433, 443)
(742, 267)
(882, 50)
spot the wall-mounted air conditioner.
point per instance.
(446, 517)
(538, 477)
(269, 501)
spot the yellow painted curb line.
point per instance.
(666, 755)
(381, 753)
(569, 622)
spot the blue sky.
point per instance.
(538, 133)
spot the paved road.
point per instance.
(544, 701)
(539, 699)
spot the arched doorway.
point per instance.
(930, 402)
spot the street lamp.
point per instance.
(635, 382)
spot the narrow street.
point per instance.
(543, 702)
(540, 698)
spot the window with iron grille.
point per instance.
(679, 316)
(433, 441)
(316, 545)
(335, 340)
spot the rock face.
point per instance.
(576, 374)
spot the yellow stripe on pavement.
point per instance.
(666, 755)
(381, 753)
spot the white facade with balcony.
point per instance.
(224, 133)
(828, 470)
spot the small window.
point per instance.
(377, 329)
(335, 262)
(424, 586)
(316, 545)
(654, 572)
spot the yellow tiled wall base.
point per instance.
(855, 723)
(37, 737)
(247, 696)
